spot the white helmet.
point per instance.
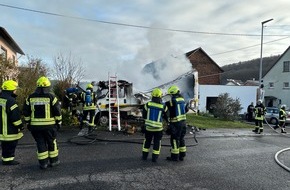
(283, 106)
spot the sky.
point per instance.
(120, 37)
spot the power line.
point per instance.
(132, 25)
(249, 46)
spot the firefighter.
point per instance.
(259, 111)
(282, 118)
(89, 107)
(153, 113)
(11, 123)
(250, 111)
(72, 99)
(42, 113)
(177, 126)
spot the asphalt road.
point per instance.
(223, 159)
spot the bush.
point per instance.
(68, 120)
(227, 108)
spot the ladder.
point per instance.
(114, 109)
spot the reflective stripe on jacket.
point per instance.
(176, 108)
(154, 116)
(282, 115)
(42, 109)
(93, 105)
(260, 112)
(10, 119)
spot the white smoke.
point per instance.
(168, 63)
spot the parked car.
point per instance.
(272, 115)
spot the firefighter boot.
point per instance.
(43, 164)
(144, 155)
(283, 130)
(181, 156)
(173, 157)
(255, 130)
(10, 163)
(261, 131)
(154, 157)
(54, 162)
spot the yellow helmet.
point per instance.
(9, 85)
(90, 85)
(157, 92)
(173, 90)
(43, 82)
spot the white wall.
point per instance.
(246, 94)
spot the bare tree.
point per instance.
(67, 68)
(29, 74)
(67, 71)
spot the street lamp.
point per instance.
(261, 57)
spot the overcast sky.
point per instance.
(122, 36)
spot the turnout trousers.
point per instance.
(90, 122)
(259, 127)
(47, 149)
(8, 150)
(156, 136)
(178, 148)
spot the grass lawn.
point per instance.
(208, 122)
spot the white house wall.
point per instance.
(278, 77)
(246, 94)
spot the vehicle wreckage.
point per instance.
(130, 104)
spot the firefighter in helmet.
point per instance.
(177, 118)
(259, 111)
(282, 118)
(154, 112)
(11, 123)
(42, 113)
(89, 107)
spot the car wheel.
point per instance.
(104, 120)
(274, 121)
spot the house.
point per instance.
(208, 71)
(9, 48)
(277, 82)
(8, 52)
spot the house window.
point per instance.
(286, 85)
(286, 66)
(271, 85)
(3, 53)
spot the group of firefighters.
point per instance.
(42, 117)
(258, 112)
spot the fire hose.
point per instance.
(280, 151)
(92, 138)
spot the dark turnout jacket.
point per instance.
(42, 109)
(10, 118)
